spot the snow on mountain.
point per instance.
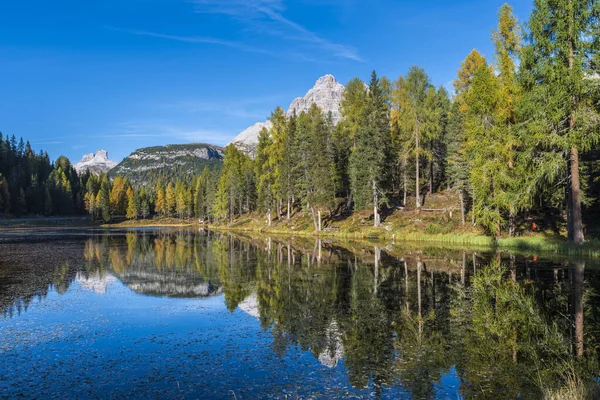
(327, 94)
(95, 163)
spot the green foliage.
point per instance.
(236, 189)
(367, 164)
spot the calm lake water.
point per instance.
(196, 314)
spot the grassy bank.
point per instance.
(439, 223)
(396, 229)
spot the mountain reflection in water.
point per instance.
(393, 321)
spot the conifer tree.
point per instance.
(414, 98)
(118, 196)
(367, 162)
(160, 204)
(132, 211)
(200, 200)
(142, 202)
(555, 72)
(103, 200)
(48, 207)
(457, 160)
(322, 180)
(170, 201)
(265, 174)
(278, 157)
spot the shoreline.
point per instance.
(538, 243)
(533, 243)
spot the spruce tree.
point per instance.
(265, 175)
(319, 166)
(278, 162)
(368, 160)
(103, 200)
(555, 71)
(414, 99)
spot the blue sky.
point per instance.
(76, 76)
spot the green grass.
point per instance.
(557, 245)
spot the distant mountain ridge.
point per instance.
(327, 93)
(174, 160)
(95, 163)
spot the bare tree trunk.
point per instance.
(320, 224)
(511, 222)
(417, 193)
(279, 212)
(319, 251)
(269, 217)
(314, 218)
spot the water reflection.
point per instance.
(394, 319)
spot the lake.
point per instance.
(197, 314)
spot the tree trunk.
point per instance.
(578, 283)
(377, 256)
(314, 218)
(288, 207)
(511, 222)
(473, 209)
(431, 177)
(461, 196)
(320, 224)
(375, 205)
(269, 216)
(418, 200)
(577, 225)
(575, 203)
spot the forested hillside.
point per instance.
(30, 184)
(148, 165)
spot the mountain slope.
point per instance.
(145, 165)
(327, 94)
(95, 163)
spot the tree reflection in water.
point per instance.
(391, 317)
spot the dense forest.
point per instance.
(30, 184)
(517, 137)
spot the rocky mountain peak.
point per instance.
(95, 163)
(326, 81)
(327, 93)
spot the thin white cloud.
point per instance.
(199, 39)
(252, 108)
(162, 129)
(259, 12)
